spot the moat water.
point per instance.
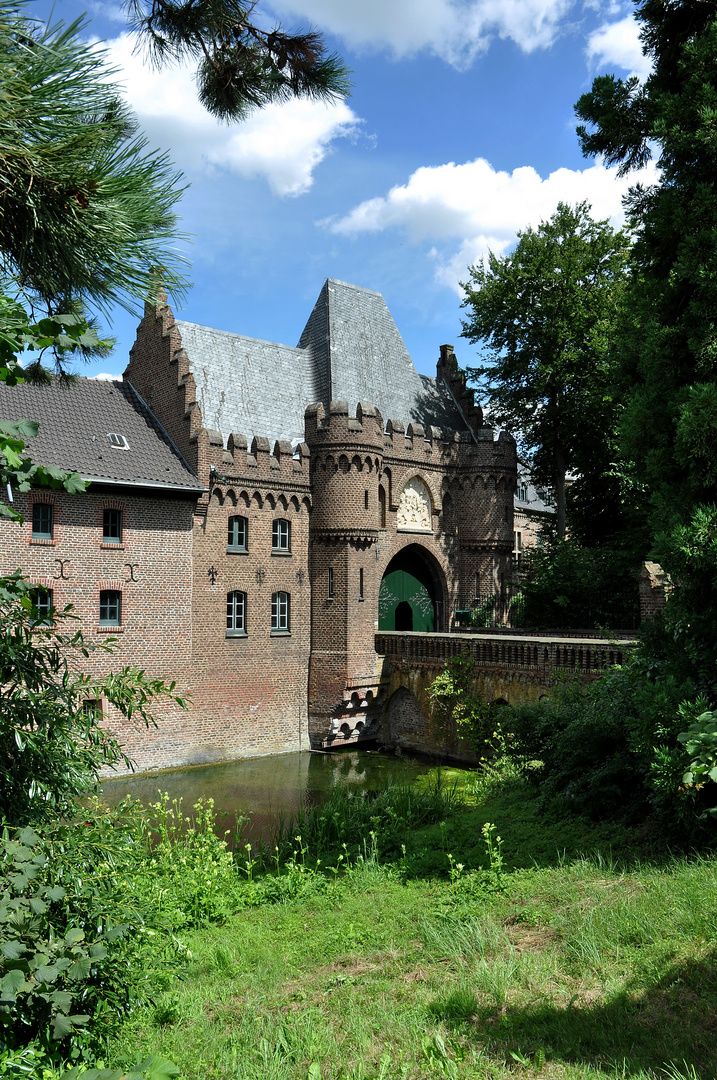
(269, 789)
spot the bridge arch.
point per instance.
(413, 592)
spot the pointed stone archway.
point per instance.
(412, 592)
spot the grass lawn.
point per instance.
(589, 953)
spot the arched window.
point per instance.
(236, 613)
(280, 535)
(237, 534)
(280, 612)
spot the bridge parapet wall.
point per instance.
(546, 656)
(509, 669)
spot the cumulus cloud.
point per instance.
(481, 209)
(282, 143)
(618, 44)
(455, 30)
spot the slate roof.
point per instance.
(75, 419)
(350, 350)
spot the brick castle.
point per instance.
(257, 513)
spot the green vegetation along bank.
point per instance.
(447, 929)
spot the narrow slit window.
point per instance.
(365, 500)
(361, 583)
(331, 584)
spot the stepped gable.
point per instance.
(354, 340)
(75, 418)
(244, 384)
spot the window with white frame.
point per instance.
(236, 613)
(280, 535)
(279, 611)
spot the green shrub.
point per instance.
(594, 749)
(52, 749)
(78, 941)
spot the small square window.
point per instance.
(236, 613)
(92, 707)
(237, 533)
(111, 526)
(110, 607)
(280, 535)
(280, 611)
(42, 521)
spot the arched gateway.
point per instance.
(411, 596)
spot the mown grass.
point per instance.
(589, 953)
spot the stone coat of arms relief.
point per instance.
(414, 507)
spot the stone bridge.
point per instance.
(511, 668)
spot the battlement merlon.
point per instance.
(259, 461)
(479, 449)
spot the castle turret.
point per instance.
(346, 465)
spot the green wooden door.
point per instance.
(401, 585)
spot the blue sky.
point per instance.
(459, 132)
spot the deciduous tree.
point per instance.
(545, 315)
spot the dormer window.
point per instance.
(117, 441)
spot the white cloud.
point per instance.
(618, 44)
(103, 376)
(455, 30)
(281, 143)
(482, 209)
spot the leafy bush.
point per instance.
(51, 747)
(78, 941)
(606, 749)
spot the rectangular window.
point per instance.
(92, 707)
(365, 500)
(42, 521)
(280, 535)
(361, 583)
(111, 526)
(521, 492)
(279, 611)
(42, 599)
(237, 533)
(331, 584)
(110, 607)
(236, 613)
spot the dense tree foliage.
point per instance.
(86, 212)
(669, 352)
(545, 314)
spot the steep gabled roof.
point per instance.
(350, 350)
(75, 420)
(352, 333)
